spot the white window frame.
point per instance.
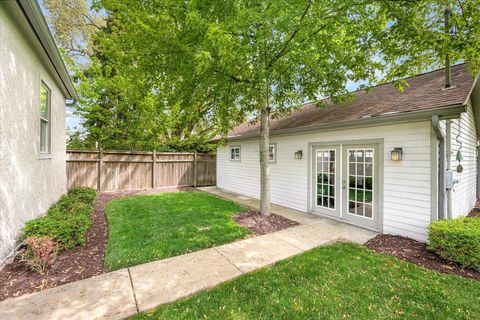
(239, 153)
(45, 151)
(274, 159)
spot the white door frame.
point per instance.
(380, 156)
(336, 211)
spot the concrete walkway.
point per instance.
(292, 214)
(123, 293)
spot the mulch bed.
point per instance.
(416, 252)
(475, 213)
(261, 224)
(75, 264)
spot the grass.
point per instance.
(340, 281)
(153, 227)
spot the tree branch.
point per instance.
(292, 36)
(232, 77)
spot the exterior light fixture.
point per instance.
(396, 154)
(299, 154)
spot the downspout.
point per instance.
(448, 152)
(441, 166)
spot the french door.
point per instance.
(346, 183)
(327, 180)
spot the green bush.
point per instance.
(457, 240)
(66, 221)
(85, 195)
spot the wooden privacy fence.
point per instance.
(131, 170)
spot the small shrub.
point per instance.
(85, 195)
(457, 240)
(67, 221)
(40, 253)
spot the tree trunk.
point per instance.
(264, 162)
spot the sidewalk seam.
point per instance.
(214, 248)
(133, 290)
(284, 241)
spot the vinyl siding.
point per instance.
(406, 184)
(464, 193)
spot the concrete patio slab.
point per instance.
(322, 232)
(167, 280)
(343, 230)
(107, 296)
(305, 237)
(258, 252)
(292, 214)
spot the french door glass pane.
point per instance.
(360, 185)
(326, 184)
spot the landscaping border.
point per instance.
(416, 252)
(71, 265)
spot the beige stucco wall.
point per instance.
(28, 185)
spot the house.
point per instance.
(386, 160)
(34, 86)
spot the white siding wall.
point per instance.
(464, 195)
(407, 190)
(28, 185)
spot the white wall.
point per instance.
(28, 185)
(407, 189)
(464, 195)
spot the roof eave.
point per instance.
(34, 15)
(447, 112)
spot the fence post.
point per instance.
(195, 169)
(154, 160)
(99, 173)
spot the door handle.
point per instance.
(344, 184)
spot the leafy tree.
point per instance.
(73, 24)
(120, 107)
(239, 57)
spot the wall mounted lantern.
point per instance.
(299, 154)
(396, 154)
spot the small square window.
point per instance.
(272, 152)
(235, 153)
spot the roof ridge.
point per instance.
(425, 93)
(379, 85)
(409, 77)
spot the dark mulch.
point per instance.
(417, 252)
(261, 224)
(71, 265)
(475, 213)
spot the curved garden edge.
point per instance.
(88, 260)
(71, 265)
(416, 252)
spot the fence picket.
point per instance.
(131, 170)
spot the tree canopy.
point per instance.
(228, 59)
(152, 71)
(233, 57)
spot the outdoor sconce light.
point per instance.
(298, 154)
(396, 154)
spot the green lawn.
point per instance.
(152, 227)
(340, 281)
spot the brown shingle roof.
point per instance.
(425, 92)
